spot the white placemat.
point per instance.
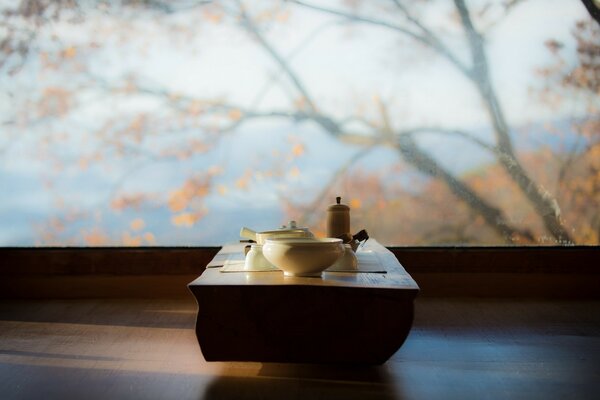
(228, 252)
(368, 261)
(238, 266)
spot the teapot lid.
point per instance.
(290, 227)
(338, 206)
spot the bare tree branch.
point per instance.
(247, 23)
(435, 42)
(429, 41)
(407, 147)
(478, 72)
(416, 156)
(306, 218)
(171, 7)
(509, 6)
(452, 132)
(593, 8)
(544, 203)
(290, 56)
(492, 215)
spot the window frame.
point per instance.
(147, 272)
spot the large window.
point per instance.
(154, 122)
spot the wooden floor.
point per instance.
(458, 348)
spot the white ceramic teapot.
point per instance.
(286, 231)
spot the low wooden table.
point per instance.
(357, 318)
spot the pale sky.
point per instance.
(344, 67)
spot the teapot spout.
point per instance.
(361, 236)
(248, 233)
(359, 239)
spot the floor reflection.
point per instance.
(179, 314)
(297, 381)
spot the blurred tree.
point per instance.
(578, 168)
(124, 138)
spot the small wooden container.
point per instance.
(338, 221)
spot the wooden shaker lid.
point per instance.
(338, 206)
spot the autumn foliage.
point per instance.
(75, 126)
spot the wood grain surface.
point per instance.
(146, 349)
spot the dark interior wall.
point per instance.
(546, 272)
(100, 272)
(551, 272)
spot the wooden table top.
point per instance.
(396, 276)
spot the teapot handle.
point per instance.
(248, 233)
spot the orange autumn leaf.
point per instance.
(234, 114)
(196, 187)
(300, 102)
(355, 203)
(197, 146)
(202, 191)
(83, 163)
(69, 52)
(319, 233)
(95, 238)
(242, 183)
(185, 219)
(129, 240)
(298, 149)
(128, 201)
(178, 200)
(244, 180)
(215, 170)
(193, 188)
(149, 238)
(138, 123)
(283, 16)
(214, 17)
(222, 190)
(137, 224)
(196, 107)
(55, 101)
